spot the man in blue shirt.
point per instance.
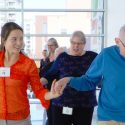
(108, 67)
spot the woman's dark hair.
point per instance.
(5, 32)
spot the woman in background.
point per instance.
(52, 45)
(50, 79)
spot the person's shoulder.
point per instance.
(63, 54)
(92, 53)
(26, 59)
(109, 49)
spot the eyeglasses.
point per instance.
(122, 43)
(75, 43)
(50, 45)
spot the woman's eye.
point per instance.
(13, 39)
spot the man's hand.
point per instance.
(57, 88)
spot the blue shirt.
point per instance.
(68, 65)
(109, 66)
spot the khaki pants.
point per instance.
(110, 123)
(26, 121)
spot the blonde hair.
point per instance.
(54, 41)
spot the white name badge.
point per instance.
(67, 111)
(4, 71)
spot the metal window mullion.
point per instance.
(22, 12)
(105, 24)
(52, 10)
(61, 35)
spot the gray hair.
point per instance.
(79, 34)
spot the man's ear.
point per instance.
(117, 41)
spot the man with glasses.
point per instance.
(108, 67)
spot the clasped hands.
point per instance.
(57, 86)
(60, 85)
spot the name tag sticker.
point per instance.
(67, 111)
(4, 71)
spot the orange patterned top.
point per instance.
(14, 103)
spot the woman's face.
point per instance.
(51, 47)
(76, 46)
(14, 42)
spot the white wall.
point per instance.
(115, 19)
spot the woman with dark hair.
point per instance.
(16, 72)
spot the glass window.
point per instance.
(55, 18)
(44, 19)
(59, 4)
(35, 45)
(63, 22)
(10, 16)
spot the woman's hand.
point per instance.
(61, 84)
(52, 94)
(57, 88)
